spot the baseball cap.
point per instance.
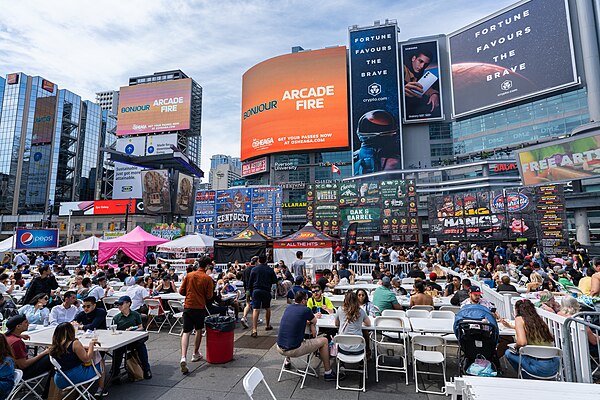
(12, 322)
(123, 299)
(386, 281)
(298, 280)
(561, 272)
(474, 290)
(433, 275)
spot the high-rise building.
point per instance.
(106, 168)
(222, 175)
(108, 100)
(49, 150)
(219, 159)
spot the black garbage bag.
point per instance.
(219, 323)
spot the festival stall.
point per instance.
(317, 247)
(184, 250)
(242, 247)
(7, 244)
(134, 244)
(84, 247)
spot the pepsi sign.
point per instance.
(31, 239)
(514, 202)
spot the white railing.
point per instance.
(361, 268)
(397, 268)
(501, 301)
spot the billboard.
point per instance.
(32, 239)
(166, 231)
(375, 105)
(254, 167)
(156, 191)
(132, 145)
(295, 102)
(43, 123)
(224, 213)
(155, 107)
(39, 168)
(127, 183)
(518, 53)
(160, 144)
(184, 197)
(576, 157)
(422, 99)
(111, 207)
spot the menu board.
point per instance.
(552, 220)
(326, 208)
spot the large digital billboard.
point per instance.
(576, 157)
(295, 102)
(156, 191)
(518, 53)
(421, 73)
(375, 104)
(155, 107)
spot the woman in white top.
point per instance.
(351, 318)
(36, 311)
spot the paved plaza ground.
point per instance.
(206, 381)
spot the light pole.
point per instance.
(127, 213)
(69, 227)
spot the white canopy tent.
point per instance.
(7, 244)
(89, 244)
(195, 243)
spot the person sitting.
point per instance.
(318, 303)
(569, 307)
(419, 297)
(31, 367)
(166, 285)
(6, 285)
(45, 283)
(36, 311)
(531, 329)
(130, 320)
(506, 286)
(585, 283)
(548, 302)
(233, 300)
(452, 287)
(75, 360)
(290, 339)
(7, 308)
(91, 289)
(291, 294)
(344, 272)
(416, 272)
(563, 279)
(363, 299)
(535, 282)
(325, 281)
(351, 318)
(67, 311)
(384, 298)
(7, 368)
(397, 287)
(433, 284)
(461, 295)
(138, 293)
(91, 317)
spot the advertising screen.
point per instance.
(108, 207)
(422, 84)
(166, 231)
(36, 238)
(39, 167)
(155, 107)
(524, 51)
(160, 144)
(43, 123)
(375, 108)
(184, 198)
(156, 191)
(254, 167)
(127, 182)
(295, 102)
(576, 157)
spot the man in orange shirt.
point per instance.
(198, 288)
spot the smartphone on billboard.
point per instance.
(427, 80)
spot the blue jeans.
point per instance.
(537, 367)
(76, 375)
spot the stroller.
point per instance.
(477, 332)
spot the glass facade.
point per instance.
(88, 151)
(108, 139)
(526, 123)
(219, 159)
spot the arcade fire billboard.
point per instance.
(524, 51)
(155, 107)
(295, 102)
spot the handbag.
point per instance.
(481, 367)
(134, 367)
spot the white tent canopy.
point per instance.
(7, 244)
(195, 243)
(89, 244)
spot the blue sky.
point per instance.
(91, 46)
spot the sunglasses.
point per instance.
(86, 306)
(316, 291)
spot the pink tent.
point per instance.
(134, 244)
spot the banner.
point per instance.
(127, 182)
(254, 167)
(576, 157)
(166, 231)
(351, 234)
(422, 89)
(160, 144)
(520, 53)
(156, 191)
(32, 239)
(375, 108)
(43, 123)
(37, 179)
(184, 195)
(115, 207)
(107, 235)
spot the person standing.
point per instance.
(299, 266)
(246, 280)
(262, 278)
(198, 288)
(595, 286)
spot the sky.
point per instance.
(86, 46)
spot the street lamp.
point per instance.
(127, 213)
(69, 227)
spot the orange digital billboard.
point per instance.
(295, 102)
(155, 107)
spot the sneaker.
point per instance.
(260, 321)
(287, 365)
(197, 357)
(183, 366)
(101, 393)
(148, 374)
(330, 376)
(244, 323)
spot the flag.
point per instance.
(335, 169)
(351, 234)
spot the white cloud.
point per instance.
(91, 46)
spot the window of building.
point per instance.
(99, 226)
(88, 226)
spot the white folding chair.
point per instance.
(397, 314)
(431, 357)
(540, 353)
(110, 314)
(408, 281)
(251, 381)
(442, 314)
(81, 388)
(351, 359)
(386, 348)
(417, 313)
(17, 380)
(308, 370)
(454, 309)
(29, 385)
(422, 307)
(155, 310)
(109, 302)
(177, 310)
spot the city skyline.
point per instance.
(99, 46)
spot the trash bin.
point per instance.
(318, 274)
(219, 339)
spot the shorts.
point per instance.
(261, 299)
(193, 318)
(76, 375)
(308, 346)
(248, 297)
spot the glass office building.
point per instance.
(89, 155)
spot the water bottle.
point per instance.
(4, 326)
(318, 309)
(46, 321)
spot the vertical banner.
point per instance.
(422, 86)
(184, 198)
(156, 191)
(351, 234)
(375, 106)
